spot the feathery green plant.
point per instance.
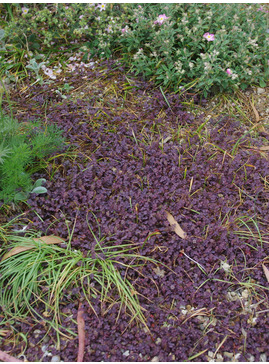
(22, 148)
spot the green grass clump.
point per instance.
(22, 149)
(36, 281)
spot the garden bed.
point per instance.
(136, 154)
(133, 211)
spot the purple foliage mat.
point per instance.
(128, 178)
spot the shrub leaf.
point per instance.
(39, 190)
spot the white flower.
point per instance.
(91, 64)
(24, 10)
(139, 54)
(234, 76)
(71, 67)
(109, 29)
(208, 67)
(49, 72)
(102, 6)
(154, 54)
(225, 266)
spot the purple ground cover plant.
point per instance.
(126, 174)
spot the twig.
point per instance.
(6, 357)
(81, 333)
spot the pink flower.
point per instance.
(209, 37)
(262, 9)
(229, 71)
(161, 18)
(125, 29)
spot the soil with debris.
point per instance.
(208, 298)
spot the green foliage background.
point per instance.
(173, 54)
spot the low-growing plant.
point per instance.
(36, 67)
(22, 148)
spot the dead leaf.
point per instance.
(50, 239)
(176, 227)
(265, 148)
(266, 272)
(159, 272)
(81, 333)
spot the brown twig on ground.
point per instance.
(81, 333)
(8, 358)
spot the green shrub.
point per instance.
(22, 148)
(164, 42)
(175, 52)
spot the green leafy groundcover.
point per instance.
(212, 47)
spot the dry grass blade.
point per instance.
(50, 239)
(4, 332)
(257, 117)
(200, 312)
(81, 333)
(175, 225)
(266, 272)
